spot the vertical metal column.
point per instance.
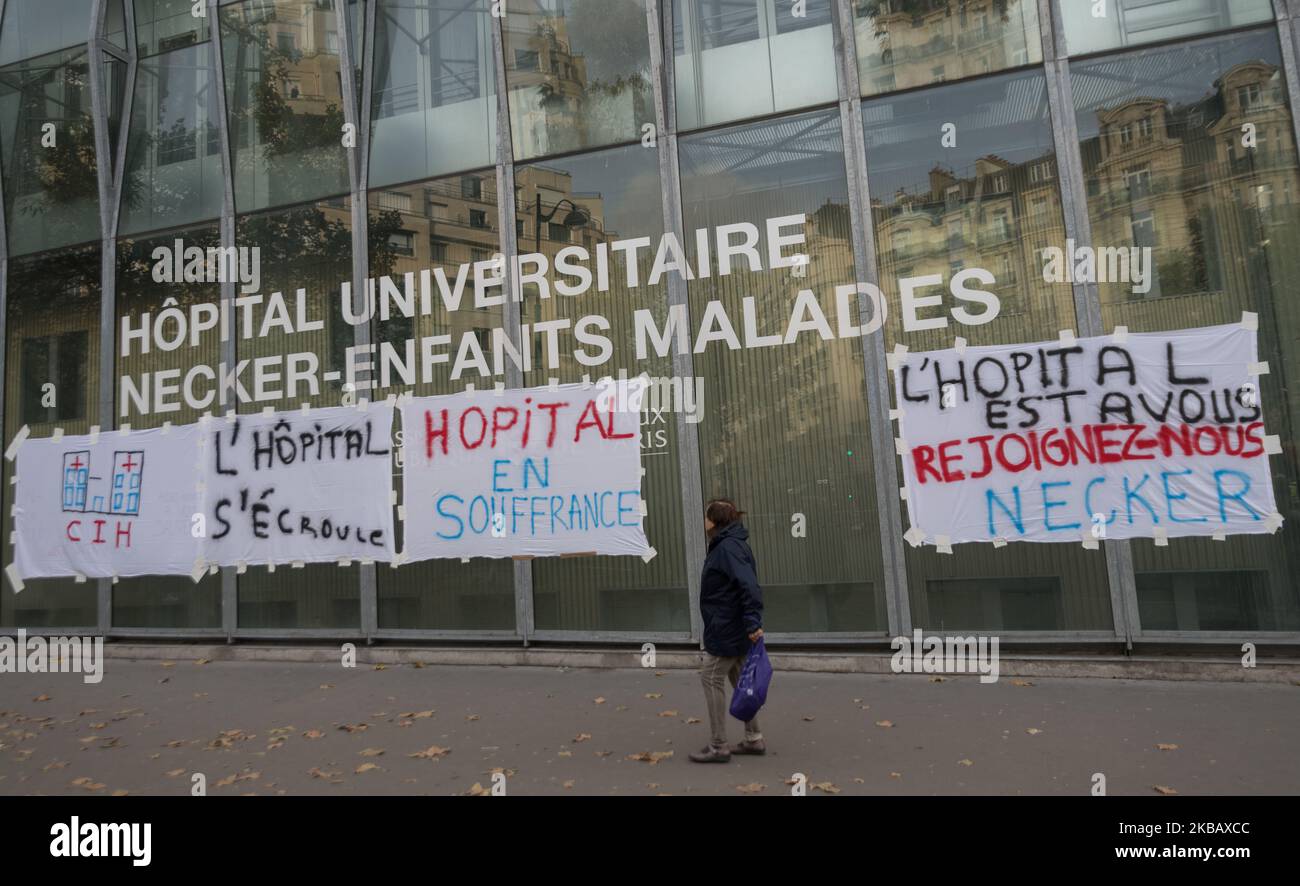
(6, 492)
(512, 311)
(659, 21)
(1087, 300)
(229, 580)
(107, 259)
(1288, 25)
(884, 462)
(356, 114)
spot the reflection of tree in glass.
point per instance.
(68, 283)
(67, 171)
(609, 37)
(281, 130)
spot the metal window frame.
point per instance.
(889, 508)
(659, 21)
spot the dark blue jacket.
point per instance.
(731, 601)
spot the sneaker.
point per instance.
(756, 747)
(711, 755)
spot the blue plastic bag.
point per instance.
(751, 688)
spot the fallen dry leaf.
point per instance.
(1033, 731)
(432, 752)
(668, 713)
(477, 790)
(355, 727)
(654, 695)
(470, 718)
(965, 763)
(752, 788)
(1161, 789)
(1022, 683)
(1166, 747)
(600, 699)
(372, 752)
(580, 737)
(313, 734)
(651, 757)
(365, 767)
(825, 787)
(885, 724)
(41, 698)
(690, 720)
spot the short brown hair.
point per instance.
(722, 512)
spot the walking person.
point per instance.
(731, 603)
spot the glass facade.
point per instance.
(433, 110)
(1161, 135)
(929, 140)
(990, 201)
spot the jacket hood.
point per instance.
(735, 530)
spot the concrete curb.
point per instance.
(1205, 669)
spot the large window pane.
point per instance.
(785, 430)
(173, 154)
(1132, 22)
(36, 28)
(284, 98)
(434, 108)
(749, 58)
(307, 247)
(163, 601)
(584, 202)
(1167, 164)
(439, 224)
(990, 201)
(164, 25)
(579, 74)
(912, 44)
(51, 190)
(52, 339)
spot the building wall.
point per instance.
(918, 137)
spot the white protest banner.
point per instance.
(1148, 435)
(108, 504)
(290, 487)
(535, 471)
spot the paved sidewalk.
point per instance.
(271, 728)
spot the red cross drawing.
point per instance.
(76, 465)
(128, 464)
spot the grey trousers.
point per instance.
(714, 673)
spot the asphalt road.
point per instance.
(276, 728)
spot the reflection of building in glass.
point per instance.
(996, 216)
(1180, 179)
(903, 44)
